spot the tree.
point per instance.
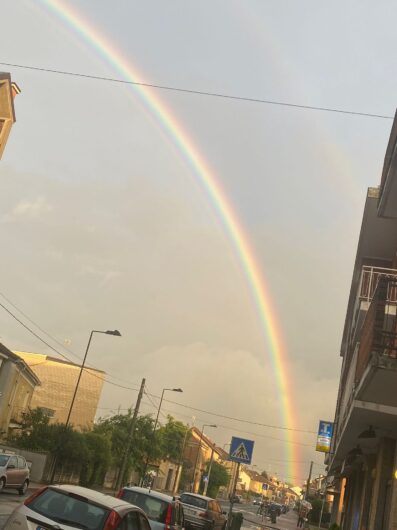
(219, 477)
(265, 475)
(170, 438)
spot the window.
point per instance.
(193, 501)
(129, 522)
(13, 461)
(70, 510)
(21, 462)
(155, 509)
(3, 460)
(143, 522)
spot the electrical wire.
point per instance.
(88, 370)
(205, 93)
(237, 419)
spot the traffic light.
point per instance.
(8, 90)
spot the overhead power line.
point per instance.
(236, 419)
(89, 371)
(197, 92)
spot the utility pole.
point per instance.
(209, 472)
(130, 436)
(233, 494)
(309, 478)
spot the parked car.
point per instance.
(202, 512)
(163, 511)
(237, 499)
(71, 507)
(14, 473)
(256, 501)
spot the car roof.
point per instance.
(197, 495)
(97, 497)
(147, 491)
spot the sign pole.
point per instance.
(229, 517)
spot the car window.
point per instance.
(155, 509)
(69, 510)
(21, 462)
(194, 501)
(143, 522)
(4, 460)
(129, 522)
(13, 461)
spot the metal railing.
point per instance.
(379, 331)
(369, 281)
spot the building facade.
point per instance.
(8, 91)
(363, 457)
(58, 382)
(17, 385)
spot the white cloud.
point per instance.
(28, 209)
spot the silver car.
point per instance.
(71, 507)
(163, 511)
(14, 473)
(202, 513)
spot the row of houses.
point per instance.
(362, 464)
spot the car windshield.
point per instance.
(4, 460)
(69, 509)
(155, 509)
(193, 501)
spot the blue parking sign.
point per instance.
(241, 450)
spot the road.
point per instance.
(9, 500)
(253, 521)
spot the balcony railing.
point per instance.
(379, 331)
(369, 281)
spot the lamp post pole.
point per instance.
(115, 333)
(155, 426)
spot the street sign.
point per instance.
(325, 430)
(265, 487)
(241, 450)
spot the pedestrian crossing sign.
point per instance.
(241, 450)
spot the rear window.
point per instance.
(4, 460)
(155, 509)
(69, 509)
(193, 501)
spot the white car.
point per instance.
(71, 507)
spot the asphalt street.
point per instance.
(9, 500)
(251, 520)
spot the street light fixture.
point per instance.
(199, 449)
(115, 333)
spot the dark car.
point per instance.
(163, 511)
(202, 512)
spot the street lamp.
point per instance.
(115, 333)
(199, 449)
(155, 426)
(161, 402)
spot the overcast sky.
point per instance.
(104, 226)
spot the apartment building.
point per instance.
(8, 90)
(363, 457)
(58, 382)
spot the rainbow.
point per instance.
(213, 190)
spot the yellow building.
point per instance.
(8, 91)
(58, 381)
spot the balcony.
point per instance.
(376, 367)
(370, 376)
(368, 284)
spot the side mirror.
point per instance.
(11, 466)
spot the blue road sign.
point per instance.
(324, 437)
(241, 450)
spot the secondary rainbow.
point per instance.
(212, 188)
